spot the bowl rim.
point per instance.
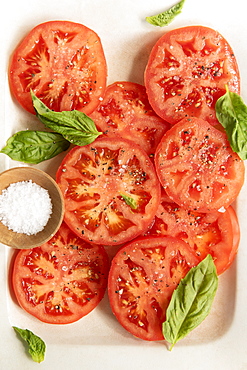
(23, 241)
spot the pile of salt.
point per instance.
(25, 207)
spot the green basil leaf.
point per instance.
(129, 201)
(165, 18)
(34, 146)
(231, 112)
(36, 345)
(75, 126)
(191, 301)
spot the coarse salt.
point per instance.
(25, 207)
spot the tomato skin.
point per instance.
(236, 234)
(143, 275)
(63, 63)
(94, 179)
(126, 112)
(187, 71)
(197, 167)
(215, 233)
(62, 280)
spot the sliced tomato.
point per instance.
(215, 233)
(142, 278)
(187, 71)
(126, 112)
(236, 233)
(111, 190)
(62, 280)
(197, 167)
(63, 63)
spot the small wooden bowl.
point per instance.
(23, 241)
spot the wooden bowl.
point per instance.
(24, 241)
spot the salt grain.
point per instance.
(25, 207)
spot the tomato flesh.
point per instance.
(197, 167)
(187, 72)
(62, 280)
(97, 180)
(126, 112)
(142, 278)
(63, 63)
(215, 233)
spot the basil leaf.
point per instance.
(191, 301)
(34, 146)
(165, 18)
(231, 112)
(37, 346)
(75, 126)
(129, 201)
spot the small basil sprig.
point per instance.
(165, 18)
(36, 345)
(75, 126)
(191, 301)
(129, 201)
(231, 112)
(34, 146)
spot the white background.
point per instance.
(98, 341)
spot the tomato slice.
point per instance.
(62, 280)
(126, 112)
(236, 233)
(187, 71)
(111, 190)
(215, 233)
(142, 278)
(63, 63)
(197, 167)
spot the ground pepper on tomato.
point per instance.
(62, 280)
(197, 167)
(100, 182)
(216, 233)
(143, 275)
(63, 63)
(187, 71)
(126, 112)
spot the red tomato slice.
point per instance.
(111, 190)
(126, 112)
(197, 166)
(63, 63)
(62, 280)
(236, 233)
(142, 278)
(215, 233)
(187, 71)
